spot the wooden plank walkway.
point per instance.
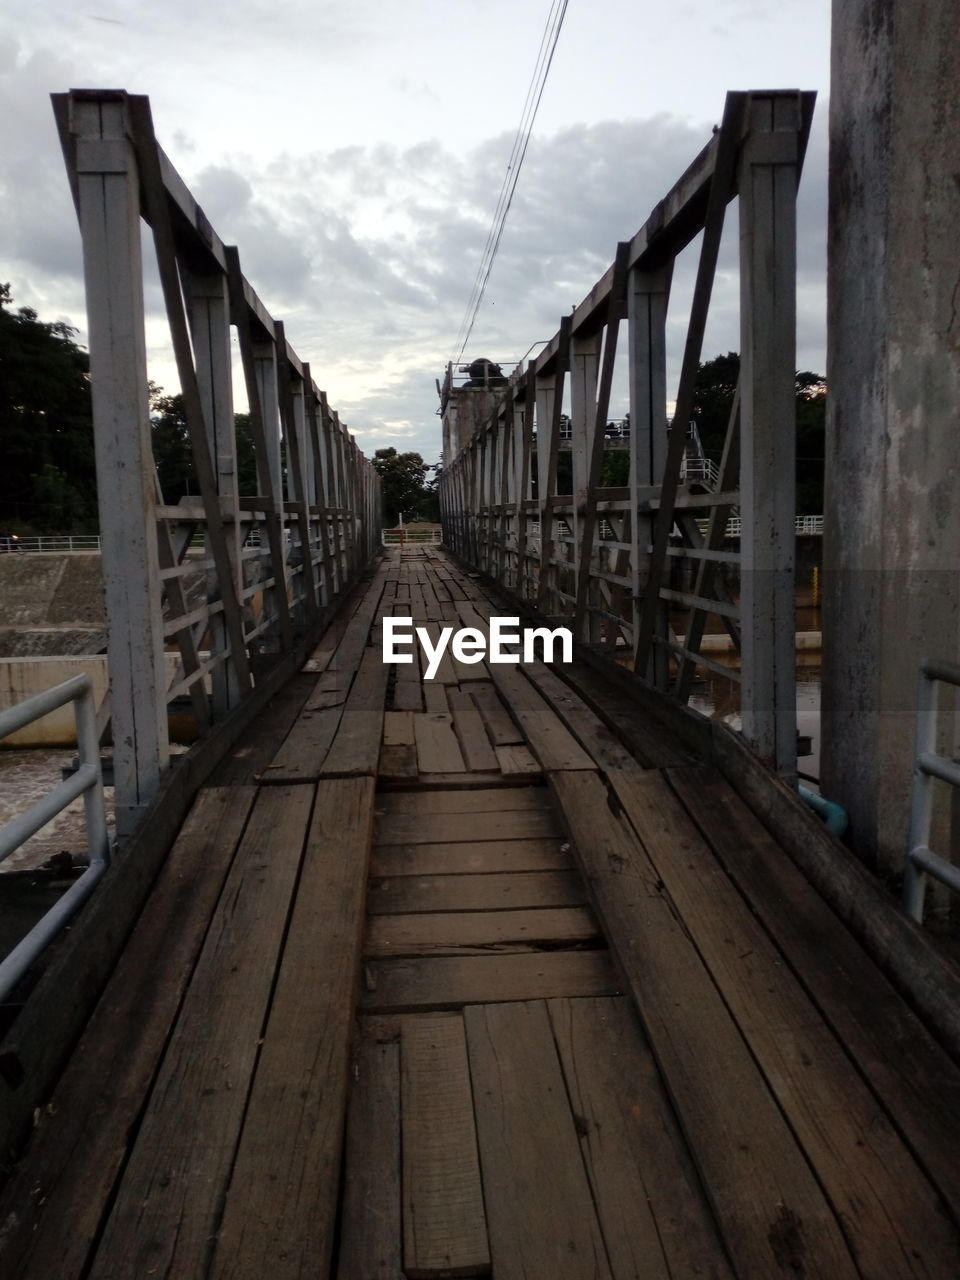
(441, 979)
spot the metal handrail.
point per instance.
(921, 860)
(88, 782)
(396, 536)
(50, 542)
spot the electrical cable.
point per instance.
(548, 44)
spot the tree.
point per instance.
(402, 483)
(430, 506)
(171, 446)
(48, 480)
(714, 389)
(173, 452)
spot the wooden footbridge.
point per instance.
(524, 970)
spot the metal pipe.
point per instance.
(921, 861)
(24, 825)
(834, 815)
(24, 713)
(43, 932)
(946, 872)
(88, 782)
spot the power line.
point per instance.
(548, 44)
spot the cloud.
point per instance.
(369, 252)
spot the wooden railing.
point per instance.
(317, 509)
(617, 562)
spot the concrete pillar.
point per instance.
(466, 409)
(892, 530)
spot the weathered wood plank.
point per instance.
(330, 690)
(460, 932)
(307, 745)
(877, 1190)
(259, 744)
(611, 694)
(493, 799)
(398, 729)
(371, 1230)
(469, 858)
(81, 1139)
(470, 731)
(466, 781)
(911, 1074)
(655, 1218)
(501, 891)
(280, 1210)
(547, 736)
(770, 1210)
(444, 1225)
(437, 748)
(501, 729)
(407, 688)
(517, 761)
(450, 982)
(353, 621)
(445, 673)
(435, 699)
(356, 747)
(592, 734)
(397, 763)
(344, 663)
(445, 828)
(913, 961)
(540, 1211)
(168, 1203)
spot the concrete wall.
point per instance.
(21, 678)
(892, 518)
(467, 409)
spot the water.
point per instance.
(25, 777)
(719, 699)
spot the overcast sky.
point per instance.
(354, 150)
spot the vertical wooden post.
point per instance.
(109, 212)
(768, 187)
(506, 429)
(296, 485)
(265, 363)
(550, 397)
(265, 366)
(327, 577)
(588, 622)
(648, 293)
(523, 433)
(209, 314)
(584, 365)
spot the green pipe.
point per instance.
(834, 815)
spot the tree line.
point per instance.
(48, 481)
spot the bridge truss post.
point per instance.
(648, 294)
(209, 301)
(767, 184)
(108, 204)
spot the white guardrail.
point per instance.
(86, 782)
(809, 526)
(407, 537)
(921, 860)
